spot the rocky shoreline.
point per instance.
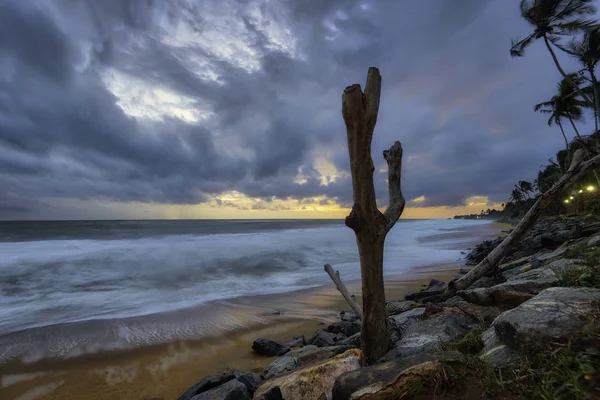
(544, 295)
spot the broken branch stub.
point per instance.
(335, 277)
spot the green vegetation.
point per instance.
(589, 274)
(563, 370)
(567, 27)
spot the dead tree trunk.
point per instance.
(577, 171)
(368, 223)
(335, 277)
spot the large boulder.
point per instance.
(555, 239)
(279, 366)
(313, 382)
(391, 380)
(553, 314)
(426, 335)
(232, 390)
(395, 307)
(249, 379)
(321, 339)
(352, 341)
(269, 348)
(401, 322)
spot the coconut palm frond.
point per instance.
(517, 48)
(573, 8)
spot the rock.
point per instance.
(540, 274)
(452, 301)
(232, 390)
(205, 384)
(269, 348)
(425, 335)
(401, 322)
(348, 328)
(395, 307)
(296, 341)
(560, 267)
(435, 288)
(339, 337)
(590, 230)
(273, 394)
(353, 341)
(482, 314)
(313, 382)
(431, 309)
(485, 281)
(550, 255)
(515, 271)
(553, 314)
(302, 351)
(594, 241)
(495, 353)
(390, 380)
(508, 294)
(350, 317)
(280, 365)
(321, 339)
(514, 264)
(553, 240)
(249, 379)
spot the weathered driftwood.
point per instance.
(335, 277)
(577, 171)
(368, 223)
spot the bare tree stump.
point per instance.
(368, 223)
(577, 171)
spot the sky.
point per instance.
(232, 108)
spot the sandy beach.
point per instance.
(164, 371)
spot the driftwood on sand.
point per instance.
(359, 110)
(577, 171)
(335, 277)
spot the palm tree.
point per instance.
(587, 51)
(564, 104)
(552, 19)
(525, 188)
(516, 195)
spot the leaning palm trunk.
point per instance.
(563, 134)
(564, 74)
(578, 170)
(596, 98)
(575, 127)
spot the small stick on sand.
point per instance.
(335, 277)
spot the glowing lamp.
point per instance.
(590, 188)
(567, 201)
(571, 198)
(580, 190)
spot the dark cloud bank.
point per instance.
(451, 93)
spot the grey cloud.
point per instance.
(451, 93)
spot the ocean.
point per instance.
(59, 273)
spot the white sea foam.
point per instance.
(50, 282)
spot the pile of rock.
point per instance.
(521, 306)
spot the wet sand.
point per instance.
(164, 371)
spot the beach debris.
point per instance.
(269, 348)
(335, 277)
(313, 382)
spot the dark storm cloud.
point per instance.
(451, 93)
